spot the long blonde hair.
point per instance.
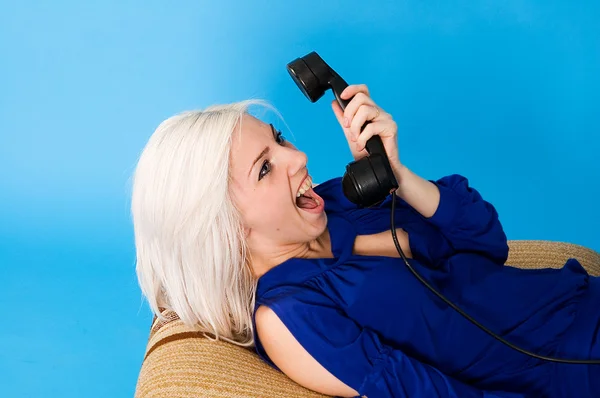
(190, 249)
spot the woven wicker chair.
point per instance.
(180, 363)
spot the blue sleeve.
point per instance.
(470, 223)
(463, 222)
(358, 357)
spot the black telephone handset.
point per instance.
(369, 180)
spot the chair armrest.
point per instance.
(544, 254)
(183, 363)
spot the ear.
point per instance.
(247, 231)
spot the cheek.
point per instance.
(277, 209)
(277, 206)
(271, 205)
(263, 209)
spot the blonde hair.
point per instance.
(191, 256)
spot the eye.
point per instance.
(264, 170)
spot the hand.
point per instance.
(360, 110)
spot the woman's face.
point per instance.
(267, 174)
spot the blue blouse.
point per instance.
(375, 327)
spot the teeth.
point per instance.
(305, 186)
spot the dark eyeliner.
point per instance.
(279, 138)
(277, 135)
(260, 173)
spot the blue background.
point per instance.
(506, 93)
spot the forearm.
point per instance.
(419, 193)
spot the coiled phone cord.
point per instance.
(494, 335)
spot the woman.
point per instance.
(231, 235)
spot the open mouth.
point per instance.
(307, 199)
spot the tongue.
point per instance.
(309, 200)
(304, 202)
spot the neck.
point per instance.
(269, 255)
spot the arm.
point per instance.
(421, 194)
(466, 220)
(330, 354)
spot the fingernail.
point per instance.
(345, 122)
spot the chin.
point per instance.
(321, 224)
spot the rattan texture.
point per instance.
(182, 363)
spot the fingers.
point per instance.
(383, 128)
(360, 110)
(337, 110)
(339, 114)
(373, 128)
(350, 111)
(363, 114)
(354, 89)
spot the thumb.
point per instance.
(339, 113)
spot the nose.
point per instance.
(297, 161)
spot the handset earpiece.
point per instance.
(369, 180)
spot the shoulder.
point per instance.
(354, 219)
(332, 193)
(292, 359)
